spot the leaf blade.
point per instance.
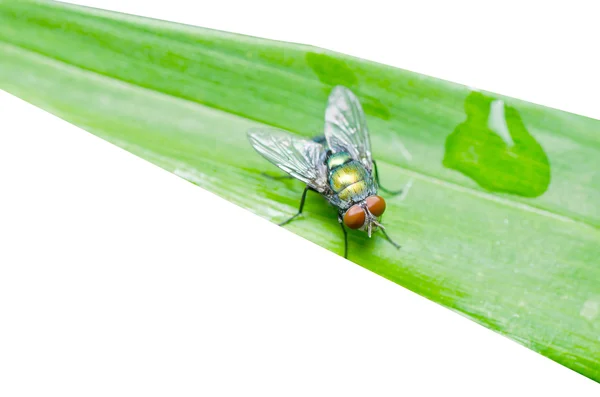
(531, 276)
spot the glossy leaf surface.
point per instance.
(501, 219)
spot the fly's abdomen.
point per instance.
(350, 181)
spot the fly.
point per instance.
(338, 165)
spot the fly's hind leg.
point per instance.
(392, 192)
(306, 189)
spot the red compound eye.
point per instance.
(376, 205)
(354, 218)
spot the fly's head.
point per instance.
(365, 215)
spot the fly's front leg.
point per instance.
(395, 244)
(306, 189)
(341, 221)
(392, 192)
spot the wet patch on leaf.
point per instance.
(494, 148)
(374, 107)
(332, 71)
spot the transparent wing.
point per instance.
(346, 127)
(301, 158)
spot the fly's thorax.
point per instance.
(338, 159)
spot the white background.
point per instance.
(118, 278)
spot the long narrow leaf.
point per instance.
(501, 219)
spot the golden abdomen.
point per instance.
(349, 180)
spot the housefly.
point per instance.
(338, 165)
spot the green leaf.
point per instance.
(500, 222)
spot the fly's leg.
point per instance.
(390, 240)
(392, 192)
(345, 237)
(278, 177)
(306, 189)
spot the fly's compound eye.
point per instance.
(355, 217)
(376, 205)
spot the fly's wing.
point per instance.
(301, 158)
(346, 127)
